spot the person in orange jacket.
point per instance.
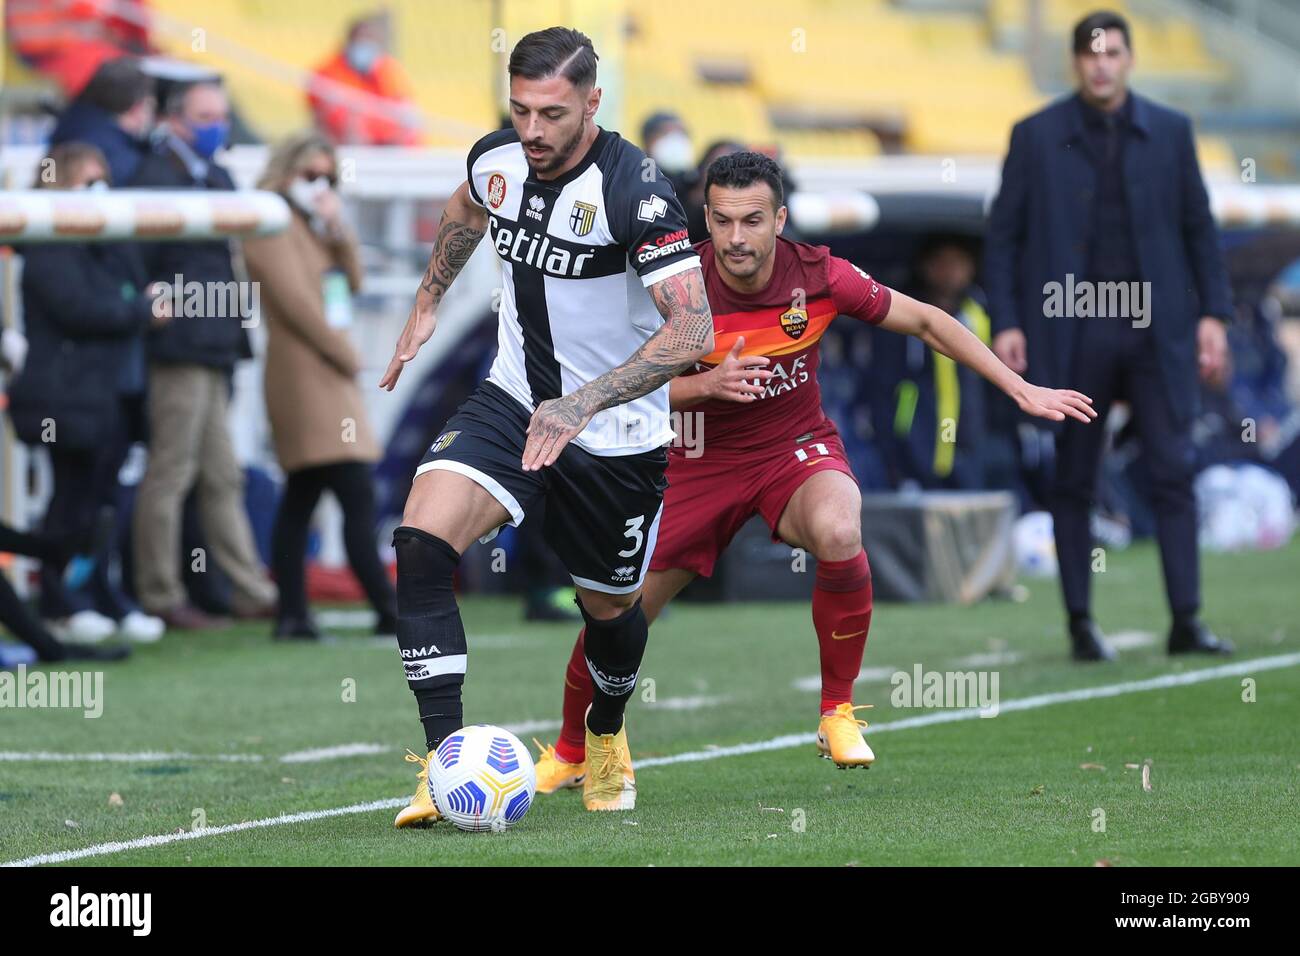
(361, 95)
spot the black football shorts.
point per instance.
(602, 512)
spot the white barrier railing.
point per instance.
(62, 215)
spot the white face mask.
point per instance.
(673, 152)
(304, 193)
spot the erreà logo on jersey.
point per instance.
(538, 250)
(794, 321)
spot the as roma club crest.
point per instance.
(582, 218)
(794, 322)
(443, 440)
(496, 190)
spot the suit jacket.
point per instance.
(1039, 229)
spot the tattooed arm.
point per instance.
(685, 337)
(461, 227)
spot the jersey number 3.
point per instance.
(634, 532)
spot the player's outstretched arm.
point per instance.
(685, 337)
(461, 227)
(946, 335)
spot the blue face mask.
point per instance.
(362, 55)
(209, 138)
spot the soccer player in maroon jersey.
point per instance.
(769, 448)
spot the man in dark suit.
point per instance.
(1104, 273)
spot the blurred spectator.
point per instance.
(930, 413)
(86, 309)
(308, 275)
(361, 95)
(17, 618)
(666, 140)
(190, 364)
(68, 40)
(693, 200)
(115, 113)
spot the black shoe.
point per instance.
(1088, 643)
(99, 653)
(551, 604)
(1194, 637)
(295, 629)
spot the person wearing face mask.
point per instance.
(665, 139)
(308, 275)
(86, 307)
(191, 361)
(361, 95)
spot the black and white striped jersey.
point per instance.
(578, 254)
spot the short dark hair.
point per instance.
(1102, 20)
(555, 51)
(117, 85)
(738, 170)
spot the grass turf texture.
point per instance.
(1007, 790)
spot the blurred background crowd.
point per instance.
(238, 462)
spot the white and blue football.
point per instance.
(482, 778)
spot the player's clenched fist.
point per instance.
(737, 379)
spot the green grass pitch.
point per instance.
(1010, 790)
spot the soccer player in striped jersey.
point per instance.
(769, 449)
(592, 326)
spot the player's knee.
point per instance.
(837, 540)
(424, 561)
(604, 606)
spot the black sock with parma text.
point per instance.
(430, 633)
(614, 649)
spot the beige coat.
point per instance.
(312, 398)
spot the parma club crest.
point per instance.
(794, 321)
(582, 218)
(443, 440)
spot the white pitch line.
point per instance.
(973, 713)
(146, 756)
(1127, 640)
(104, 849)
(784, 742)
(814, 681)
(317, 754)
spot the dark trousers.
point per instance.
(1113, 360)
(86, 492)
(351, 484)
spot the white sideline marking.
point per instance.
(332, 753)
(146, 756)
(686, 703)
(814, 682)
(1024, 703)
(989, 659)
(783, 742)
(103, 849)
(1127, 640)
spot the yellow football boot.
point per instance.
(610, 783)
(422, 810)
(556, 774)
(839, 738)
